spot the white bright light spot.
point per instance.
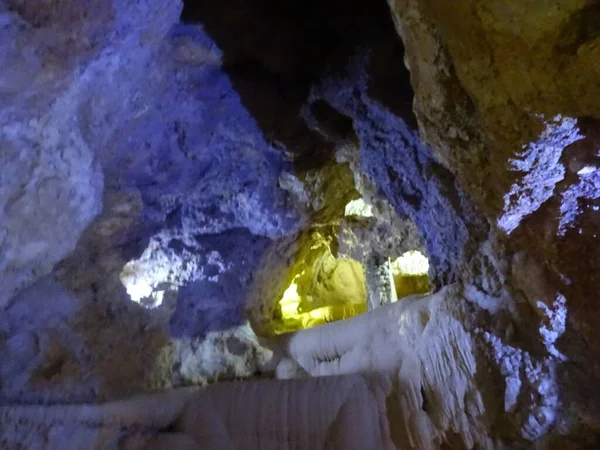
(140, 287)
(587, 170)
(411, 263)
(290, 301)
(358, 207)
(160, 269)
(138, 290)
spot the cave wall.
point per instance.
(506, 94)
(199, 193)
(167, 170)
(202, 163)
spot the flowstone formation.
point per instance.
(201, 192)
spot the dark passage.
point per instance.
(275, 50)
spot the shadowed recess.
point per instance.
(278, 49)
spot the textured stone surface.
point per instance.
(403, 170)
(55, 62)
(421, 344)
(164, 143)
(506, 94)
(163, 184)
(58, 347)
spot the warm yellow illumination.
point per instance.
(411, 274)
(290, 301)
(359, 208)
(294, 320)
(329, 289)
(411, 263)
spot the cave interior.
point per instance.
(370, 211)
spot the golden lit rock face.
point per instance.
(320, 287)
(410, 272)
(329, 189)
(406, 285)
(332, 281)
(326, 289)
(323, 289)
(326, 283)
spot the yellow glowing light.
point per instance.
(294, 320)
(330, 289)
(411, 263)
(411, 274)
(358, 208)
(336, 312)
(290, 301)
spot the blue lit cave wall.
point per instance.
(182, 182)
(227, 148)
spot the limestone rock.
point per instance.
(164, 184)
(51, 183)
(395, 161)
(506, 94)
(428, 355)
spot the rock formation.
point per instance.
(190, 192)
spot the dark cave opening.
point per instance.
(275, 51)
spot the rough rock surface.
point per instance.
(162, 185)
(64, 78)
(404, 171)
(506, 93)
(166, 146)
(421, 344)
